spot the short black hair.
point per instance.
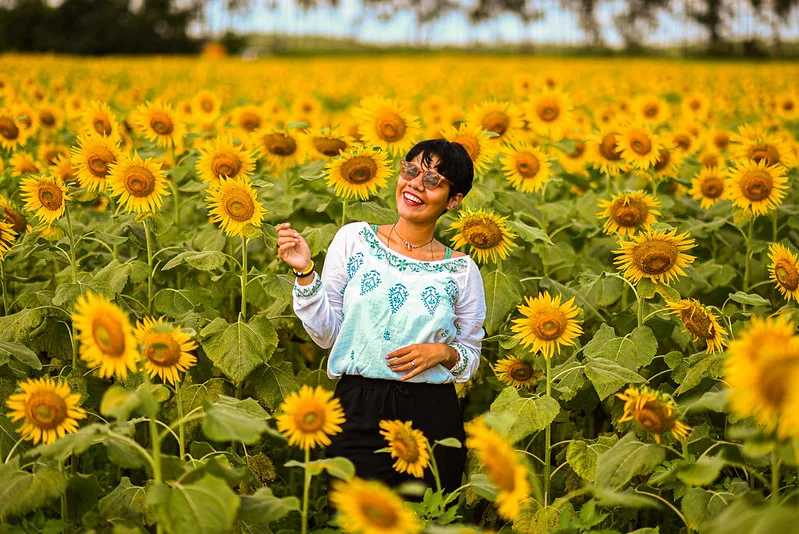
(454, 163)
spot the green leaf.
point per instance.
(529, 233)
(370, 211)
(126, 501)
(703, 472)
(22, 491)
(20, 353)
(582, 455)
(82, 494)
(240, 347)
(337, 466)
(227, 422)
(208, 506)
(645, 288)
(450, 442)
(178, 302)
(748, 298)
(608, 377)
(626, 499)
(482, 486)
(699, 366)
(626, 459)
(22, 325)
(119, 402)
(319, 237)
(699, 506)
(263, 507)
(501, 295)
(312, 171)
(632, 351)
(568, 378)
(602, 290)
(205, 260)
(70, 444)
(530, 413)
(116, 275)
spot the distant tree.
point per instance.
(586, 13)
(638, 19)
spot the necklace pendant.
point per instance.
(410, 247)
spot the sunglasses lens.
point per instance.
(409, 171)
(430, 180)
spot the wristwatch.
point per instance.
(300, 274)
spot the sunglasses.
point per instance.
(430, 179)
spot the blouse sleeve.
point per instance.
(320, 305)
(470, 308)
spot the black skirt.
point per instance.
(432, 408)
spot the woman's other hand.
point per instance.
(423, 355)
(292, 248)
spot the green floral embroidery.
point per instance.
(308, 291)
(395, 260)
(464, 359)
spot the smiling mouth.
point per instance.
(409, 199)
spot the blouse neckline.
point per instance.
(371, 228)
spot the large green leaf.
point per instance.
(234, 420)
(529, 233)
(582, 455)
(22, 492)
(370, 211)
(628, 458)
(201, 260)
(631, 351)
(608, 376)
(501, 295)
(20, 353)
(701, 365)
(264, 507)
(240, 347)
(126, 501)
(700, 506)
(530, 413)
(208, 506)
(272, 384)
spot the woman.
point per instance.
(403, 314)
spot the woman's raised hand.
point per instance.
(292, 248)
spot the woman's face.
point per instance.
(434, 200)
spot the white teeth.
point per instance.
(412, 198)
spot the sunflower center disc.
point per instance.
(102, 127)
(774, 382)
(163, 351)
(608, 148)
(377, 514)
(406, 448)
(239, 207)
(8, 129)
(472, 148)
(51, 155)
(47, 410)
(310, 421)
(502, 476)
(279, 144)
(710, 160)
(521, 372)
(682, 141)
(249, 121)
(207, 106)
(391, 128)
(756, 185)
(162, 125)
(579, 150)
(15, 218)
(765, 152)
(482, 234)
(787, 275)
(641, 145)
(496, 122)
(651, 111)
(548, 111)
(629, 212)
(721, 140)
(548, 325)
(663, 159)
(226, 165)
(109, 336)
(47, 118)
(654, 418)
(329, 147)
(528, 166)
(359, 169)
(712, 187)
(99, 161)
(50, 196)
(787, 105)
(698, 322)
(140, 182)
(655, 257)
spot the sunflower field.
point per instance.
(636, 225)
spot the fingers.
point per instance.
(418, 369)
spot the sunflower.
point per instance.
(707, 187)
(140, 184)
(784, 270)
(604, 151)
(627, 213)
(502, 118)
(46, 196)
(99, 121)
(106, 336)
(26, 117)
(48, 231)
(234, 205)
(700, 322)
(22, 163)
(310, 416)
(653, 411)
(755, 144)
(487, 234)
(718, 139)
(695, 106)
(221, 157)
(7, 238)
(639, 146)
(386, 124)
(574, 162)
(326, 143)
(549, 113)
(755, 186)
(476, 141)
(11, 215)
(408, 445)
(786, 105)
(525, 167)
(650, 109)
(49, 153)
(157, 122)
(92, 159)
(50, 118)
(370, 507)
(48, 408)
(12, 134)
(247, 119)
(711, 157)
(165, 349)
(74, 106)
(502, 466)
(517, 373)
(281, 148)
(62, 169)
(656, 255)
(306, 108)
(668, 163)
(358, 173)
(547, 324)
(205, 107)
(762, 372)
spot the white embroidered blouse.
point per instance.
(371, 300)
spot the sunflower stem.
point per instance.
(150, 265)
(3, 281)
(748, 253)
(775, 477)
(640, 311)
(305, 488)
(72, 261)
(243, 278)
(548, 437)
(181, 435)
(343, 212)
(434, 470)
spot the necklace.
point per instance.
(409, 245)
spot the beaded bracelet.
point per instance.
(306, 273)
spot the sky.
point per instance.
(558, 26)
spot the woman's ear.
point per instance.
(454, 201)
